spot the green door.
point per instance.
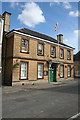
(52, 75)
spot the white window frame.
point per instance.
(52, 55)
(68, 55)
(40, 71)
(62, 71)
(61, 53)
(24, 70)
(25, 45)
(69, 71)
(40, 51)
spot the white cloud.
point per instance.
(74, 13)
(66, 40)
(51, 4)
(55, 1)
(77, 39)
(17, 3)
(67, 5)
(31, 15)
(13, 4)
(77, 33)
(13, 0)
(72, 39)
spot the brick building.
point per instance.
(31, 56)
(1, 37)
(77, 65)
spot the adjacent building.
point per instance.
(32, 56)
(1, 37)
(77, 65)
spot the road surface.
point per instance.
(56, 101)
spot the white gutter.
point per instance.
(42, 40)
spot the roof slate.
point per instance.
(40, 35)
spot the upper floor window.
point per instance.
(40, 49)
(24, 45)
(68, 55)
(61, 53)
(52, 51)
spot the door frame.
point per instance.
(53, 73)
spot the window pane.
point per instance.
(68, 54)
(61, 71)
(40, 70)
(53, 51)
(68, 70)
(23, 70)
(40, 46)
(40, 49)
(24, 45)
(61, 53)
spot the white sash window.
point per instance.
(24, 45)
(69, 71)
(61, 53)
(53, 51)
(61, 71)
(40, 49)
(40, 70)
(23, 70)
(68, 55)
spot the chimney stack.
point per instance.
(6, 15)
(60, 38)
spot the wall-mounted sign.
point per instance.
(45, 73)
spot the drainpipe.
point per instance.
(5, 59)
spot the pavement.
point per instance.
(10, 89)
(41, 100)
(13, 89)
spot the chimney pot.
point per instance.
(60, 37)
(6, 15)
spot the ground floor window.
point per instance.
(79, 72)
(23, 70)
(40, 70)
(69, 71)
(61, 71)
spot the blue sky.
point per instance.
(43, 16)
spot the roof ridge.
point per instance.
(46, 36)
(40, 33)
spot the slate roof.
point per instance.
(40, 35)
(77, 56)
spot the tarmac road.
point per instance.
(41, 101)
